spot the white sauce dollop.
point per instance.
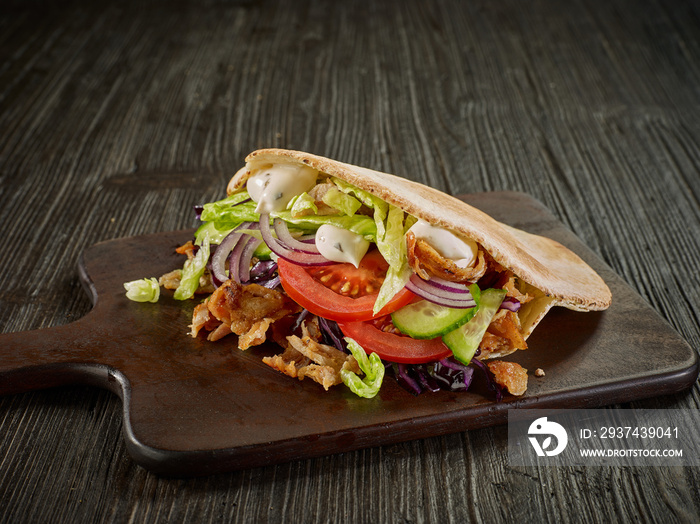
(273, 187)
(340, 245)
(462, 252)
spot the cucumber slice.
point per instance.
(425, 319)
(465, 340)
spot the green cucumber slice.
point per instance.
(465, 340)
(425, 320)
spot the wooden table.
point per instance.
(115, 119)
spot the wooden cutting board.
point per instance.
(193, 407)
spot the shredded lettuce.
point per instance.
(193, 269)
(386, 227)
(363, 196)
(209, 229)
(144, 290)
(392, 246)
(394, 282)
(228, 213)
(390, 240)
(360, 224)
(300, 204)
(371, 366)
(342, 202)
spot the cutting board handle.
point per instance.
(54, 356)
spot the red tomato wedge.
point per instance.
(394, 348)
(340, 292)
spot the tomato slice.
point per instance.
(394, 348)
(340, 291)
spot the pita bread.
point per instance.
(551, 272)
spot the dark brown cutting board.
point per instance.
(193, 408)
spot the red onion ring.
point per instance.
(455, 299)
(421, 288)
(218, 259)
(240, 257)
(289, 241)
(511, 304)
(446, 285)
(279, 249)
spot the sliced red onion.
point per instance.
(511, 304)
(292, 255)
(223, 250)
(456, 304)
(439, 296)
(446, 285)
(239, 260)
(218, 259)
(247, 257)
(286, 239)
(454, 289)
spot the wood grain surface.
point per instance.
(117, 117)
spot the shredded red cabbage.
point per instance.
(332, 335)
(264, 273)
(402, 374)
(490, 382)
(428, 381)
(446, 374)
(300, 318)
(263, 270)
(451, 375)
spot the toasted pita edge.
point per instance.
(559, 276)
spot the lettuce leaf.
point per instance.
(228, 213)
(363, 196)
(215, 235)
(392, 246)
(342, 202)
(144, 290)
(386, 227)
(300, 204)
(390, 240)
(193, 269)
(371, 366)
(360, 224)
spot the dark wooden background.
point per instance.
(117, 116)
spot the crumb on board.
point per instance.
(539, 372)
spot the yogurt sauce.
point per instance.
(462, 252)
(341, 245)
(273, 187)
